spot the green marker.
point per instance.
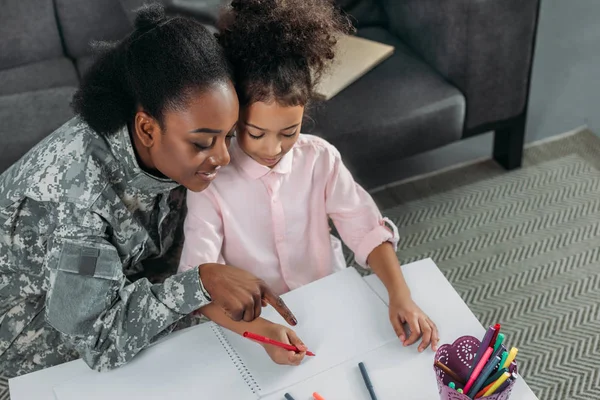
(499, 341)
(503, 359)
(459, 390)
(451, 385)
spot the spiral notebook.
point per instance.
(207, 361)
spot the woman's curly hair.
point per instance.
(279, 49)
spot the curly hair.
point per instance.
(279, 49)
(158, 66)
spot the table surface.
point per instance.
(412, 378)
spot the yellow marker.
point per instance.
(497, 384)
(511, 357)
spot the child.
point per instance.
(267, 212)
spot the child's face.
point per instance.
(267, 131)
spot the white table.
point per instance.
(404, 373)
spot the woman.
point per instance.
(82, 210)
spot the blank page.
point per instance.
(193, 364)
(339, 317)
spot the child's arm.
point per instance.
(364, 230)
(261, 327)
(384, 262)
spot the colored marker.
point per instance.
(478, 369)
(506, 383)
(485, 343)
(503, 359)
(496, 333)
(449, 372)
(499, 341)
(459, 390)
(263, 339)
(368, 384)
(497, 384)
(451, 385)
(487, 370)
(482, 391)
(511, 357)
(317, 396)
(512, 366)
(494, 377)
(288, 396)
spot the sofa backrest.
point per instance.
(28, 32)
(363, 12)
(82, 22)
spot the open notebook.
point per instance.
(207, 361)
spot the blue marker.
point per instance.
(288, 396)
(487, 370)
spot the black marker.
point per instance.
(288, 396)
(365, 375)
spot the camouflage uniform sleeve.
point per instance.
(107, 319)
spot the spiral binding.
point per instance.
(237, 360)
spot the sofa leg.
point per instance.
(508, 145)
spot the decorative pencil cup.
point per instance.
(458, 357)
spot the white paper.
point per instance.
(193, 364)
(396, 372)
(399, 372)
(338, 316)
(39, 385)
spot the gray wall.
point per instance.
(565, 88)
(566, 74)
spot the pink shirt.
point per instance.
(274, 222)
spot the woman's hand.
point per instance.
(281, 334)
(404, 310)
(240, 294)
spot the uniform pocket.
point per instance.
(82, 286)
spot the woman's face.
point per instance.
(194, 142)
(267, 131)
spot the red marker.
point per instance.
(263, 339)
(493, 341)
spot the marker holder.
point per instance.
(459, 356)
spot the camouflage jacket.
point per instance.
(77, 217)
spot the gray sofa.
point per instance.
(44, 50)
(460, 68)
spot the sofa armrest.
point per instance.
(484, 47)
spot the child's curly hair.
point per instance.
(279, 49)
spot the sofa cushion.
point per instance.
(28, 32)
(400, 108)
(46, 74)
(29, 117)
(82, 22)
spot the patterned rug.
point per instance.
(522, 249)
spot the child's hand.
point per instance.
(284, 335)
(404, 310)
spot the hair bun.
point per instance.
(261, 35)
(149, 16)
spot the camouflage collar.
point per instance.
(122, 148)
